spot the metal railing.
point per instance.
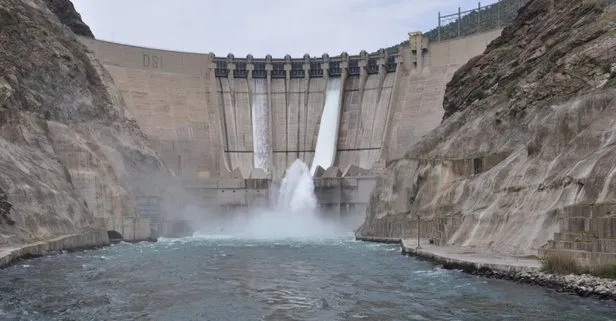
(480, 19)
(469, 22)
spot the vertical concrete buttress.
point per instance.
(363, 78)
(287, 69)
(270, 111)
(391, 110)
(343, 76)
(302, 138)
(382, 74)
(225, 164)
(409, 60)
(250, 67)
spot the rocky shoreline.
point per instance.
(582, 285)
(386, 240)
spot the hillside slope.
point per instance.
(528, 131)
(69, 151)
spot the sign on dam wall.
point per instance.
(214, 118)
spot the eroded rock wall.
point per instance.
(65, 11)
(69, 151)
(528, 130)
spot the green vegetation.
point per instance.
(607, 68)
(477, 94)
(548, 64)
(563, 262)
(478, 20)
(489, 17)
(510, 92)
(611, 82)
(560, 263)
(606, 271)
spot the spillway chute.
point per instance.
(260, 125)
(325, 150)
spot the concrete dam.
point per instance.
(215, 117)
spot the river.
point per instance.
(226, 278)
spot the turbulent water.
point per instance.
(297, 190)
(295, 213)
(260, 121)
(219, 278)
(326, 140)
(285, 263)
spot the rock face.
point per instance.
(65, 11)
(5, 208)
(69, 151)
(529, 129)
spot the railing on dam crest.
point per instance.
(469, 22)
(480, 19)
(450, 26)
(307, 66)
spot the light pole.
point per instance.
(418, 231)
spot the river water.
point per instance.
(225, 278)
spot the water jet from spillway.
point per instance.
(296, 192)
(295, 214)
(260, 129)
(325, 149)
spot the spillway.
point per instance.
(260, 125)
(328, 128)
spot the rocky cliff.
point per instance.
(528, 131)
(65, 11)
(69, 150)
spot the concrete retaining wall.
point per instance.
(68, 242)
(587, 233)
(133, 229)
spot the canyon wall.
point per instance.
(71, 155)
(522, 162)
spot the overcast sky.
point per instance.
(259, 27)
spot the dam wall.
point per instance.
(169, 96)
(417, 100)
(202, 112)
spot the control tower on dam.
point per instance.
(214, 117)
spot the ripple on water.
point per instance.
(223, 278)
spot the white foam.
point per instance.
(260, 127)
(328, 129)
(295, 215)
